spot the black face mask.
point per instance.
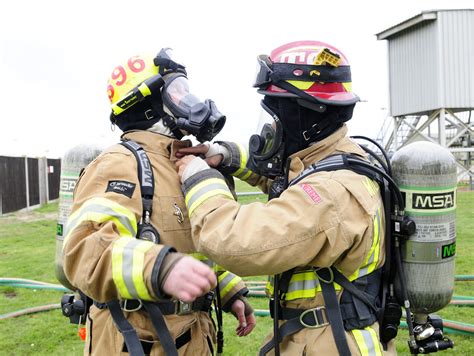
(303, 125)
(300, 125)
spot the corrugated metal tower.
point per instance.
(431, 81)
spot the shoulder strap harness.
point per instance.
(299, 319)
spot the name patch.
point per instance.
(121, 187)
(309, 190)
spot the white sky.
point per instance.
(56, 56)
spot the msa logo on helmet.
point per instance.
(314, 57)
(430, 201)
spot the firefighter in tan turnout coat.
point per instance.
(321, 220)
(126, 247)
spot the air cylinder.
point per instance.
(426, 174)
(72, 164)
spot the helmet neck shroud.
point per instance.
(302, 124)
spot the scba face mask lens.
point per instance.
(201, 119)
(266, 149)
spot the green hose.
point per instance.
(449, 326)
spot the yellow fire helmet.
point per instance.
(127, 77)
(140, 89)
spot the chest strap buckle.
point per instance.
(183, 308)
(314, 318)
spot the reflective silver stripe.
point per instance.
(205, 189)
(303, 285)
(367, 342)
(95, 208)
(226, 280)
(127, 266)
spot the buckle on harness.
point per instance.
(318, 313)
(313, 130)
(130, 305)
(183, 308)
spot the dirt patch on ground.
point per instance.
(28, 216)
(10, 294)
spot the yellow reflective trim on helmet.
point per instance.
(300, 84)
(347, 86)
(117, 266)
(143, 88)
(101, 210)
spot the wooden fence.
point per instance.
(27, 182)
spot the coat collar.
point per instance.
(336, 143)
(156, 143)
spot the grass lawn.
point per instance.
(27, 251)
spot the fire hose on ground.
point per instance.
(256, 289)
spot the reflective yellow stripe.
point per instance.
(117, 265)
(101, 210)
(243, 163)
(195, 190)
(377, 229)
(367, 342)
(371, 186)
(227, 281)
(128, 256)
(138, 267)
(204, 259)
(305, 284)
(204, 190)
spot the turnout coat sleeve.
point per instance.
(102, 257)
(326, 219)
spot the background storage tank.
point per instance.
(426, 174)
(73, 162)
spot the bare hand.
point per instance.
(246, 323)
(201, 149)
(182, 163)
(189, 279)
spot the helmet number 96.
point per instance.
(119, 74)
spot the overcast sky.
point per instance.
(56, 56)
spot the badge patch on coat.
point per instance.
(121, 187)
(309, 190)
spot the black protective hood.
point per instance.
(302, 125)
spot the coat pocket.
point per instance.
(174, 214)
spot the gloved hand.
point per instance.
(189, 279)
(243, 312)
(190, 165)
(215, 154)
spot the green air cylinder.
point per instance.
(426, 174)
(72, 164)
